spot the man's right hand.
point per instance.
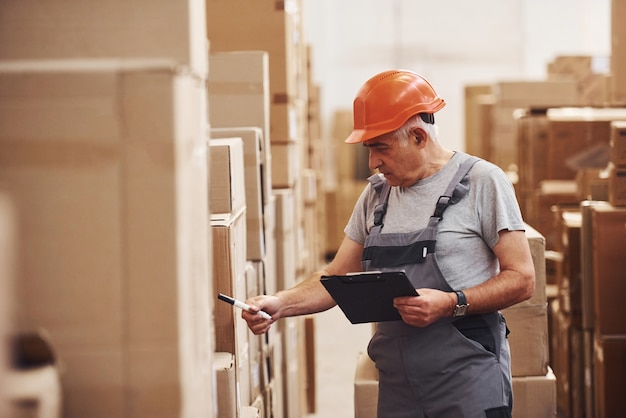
(257, 324)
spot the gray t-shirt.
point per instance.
(469, 229)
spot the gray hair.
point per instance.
(403, 133)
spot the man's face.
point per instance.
(400, 164)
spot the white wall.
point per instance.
(450, 42)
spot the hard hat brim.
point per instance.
(362, 135)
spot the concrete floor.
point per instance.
(338, 344)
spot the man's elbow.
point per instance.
(528, 285)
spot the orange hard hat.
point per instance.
(387, 100)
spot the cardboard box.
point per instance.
(578, 379)
(285, 165)
(618, 52)
(550, 194)
(285, 239)
(255, 190)
(578, 66)
(534, 396)
(276, 387)
(609, 376)
(229, 277)
(256, 343)
(107, 164)
(544, 93)
(537, 244)
(570, 282)
(228, 403)
(528, 339)
(617, 185)
(365, 387)
(588, 254)
(275, 27)
(228, 192)
(474, 142)
(579, 138)
(256, 409)
(592, 184)
(293, 366)
(251, 412)
(239, 91)
(532, 138)
(8, 262)
(71, 29)
(270, 261)
(609, 252)
(560, 354)
(618, 143)
(594, 84)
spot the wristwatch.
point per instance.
(461, 304)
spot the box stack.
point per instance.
(591, 75)
(478, 99)
(106, 160)
(512, 95)
(102, 126)
(566, 322)
(570, 162)
(617, 164)
(618, 53)
(344, 182)
(261, 91)
(564, 153)
(534, 384)
(603, 238)
(526, 123)
(8, 256)
(609, 240)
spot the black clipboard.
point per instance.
(368, 296)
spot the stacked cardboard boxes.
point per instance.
(566, 325)
(591, 74)
(477, 100)
(617, 164)
(344, 182)
(618, 53)
(608, 238)
(534, 384)
(512, 95)
(8, 256)
(563, 155)
(260, 79)
(106, 161)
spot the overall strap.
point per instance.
(455, 190)
(382, 188)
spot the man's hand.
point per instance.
(428, 307)
(257, 324)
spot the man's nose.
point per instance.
(373, 161)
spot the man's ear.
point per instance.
(420, 136)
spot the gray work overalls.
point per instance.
(451, 368)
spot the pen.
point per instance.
(239, 304)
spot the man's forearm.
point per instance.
(307, 297)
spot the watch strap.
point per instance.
(461, 306)
(461, 299)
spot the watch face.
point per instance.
(460, 310)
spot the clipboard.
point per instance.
(368, 296)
